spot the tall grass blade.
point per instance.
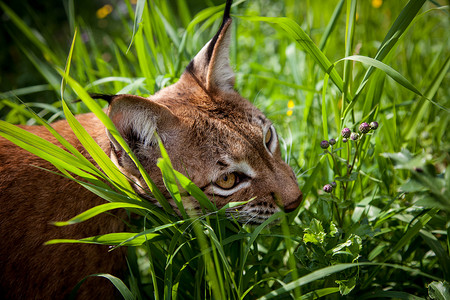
(400, 25)
(118, 283)
(419, 111)
(140, 5)
(111, 239)
(96, 211)
(169, 178)
(331, 25)
(104, 160)
(295, 32)
(324, 272)
(46, 150)
(349, 35)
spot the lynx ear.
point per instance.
(211, 66)
(137, 119)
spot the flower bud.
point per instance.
(344, 140)
(324, 144)
(346, 132)
(364, 128)
(327, 188)
(332, 142)
(373, 125)
(333, 184)
(354, 136)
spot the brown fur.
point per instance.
(209, 131)
(31, 198)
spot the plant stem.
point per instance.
(335, 164)
(354, 158)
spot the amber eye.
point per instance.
(268, 138)
(227, 181)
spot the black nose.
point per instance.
(293, 205)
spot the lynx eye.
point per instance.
(270, 139)
(227, 181)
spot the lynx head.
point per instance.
(224, 144)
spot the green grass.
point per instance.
(314, 67)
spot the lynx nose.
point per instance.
(294, 204)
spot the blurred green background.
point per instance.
(53, 22)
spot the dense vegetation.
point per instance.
(375, 218)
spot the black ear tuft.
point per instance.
(226, 16)
(106, 97)
(226, 13)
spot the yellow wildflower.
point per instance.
(289, 113)
(104, 11)
(377, 3)
(291, 104)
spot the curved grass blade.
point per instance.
(391, 295)
(108, 80)
(120, 286)
(295, 32)
(324, 272)
(331, 25)
(252, 239)
(407, 237)
(140, 5)
(207, 14)
(400, 25)
(169, 178)
(98, 111)
(118, 179)
(419, 112)
(194, 191)
(26, 90)
(386, 69)
(46, 150)
(111, 239)
(150, 231)
(97, 153)
(391, 73)
(319, 293)
(96, 211)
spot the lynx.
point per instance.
(223, 143)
